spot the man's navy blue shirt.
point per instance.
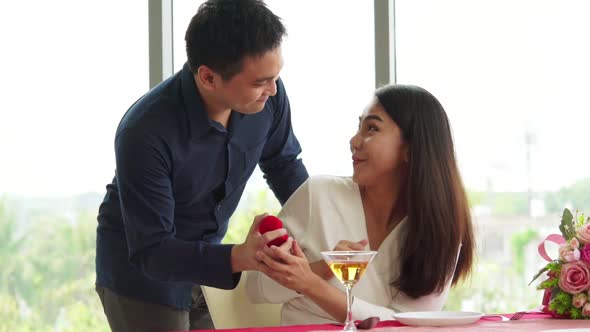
(179, 178)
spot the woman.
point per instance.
(405, 200)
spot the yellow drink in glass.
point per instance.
(348, 272)
(348, 267)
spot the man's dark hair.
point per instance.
(223, 32)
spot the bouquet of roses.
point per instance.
(567, 288)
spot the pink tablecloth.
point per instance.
(530, 322)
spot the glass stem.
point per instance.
(349, 325)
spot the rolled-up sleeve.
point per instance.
(147, 205)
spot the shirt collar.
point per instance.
(197, 115)
(200, 123)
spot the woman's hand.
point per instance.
(323, 270)
(344, 245)
(290, 270)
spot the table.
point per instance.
(530, 322)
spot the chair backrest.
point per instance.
(231, 308)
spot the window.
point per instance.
(70, 70)
(512, 76)
(329, 75)
(69, 79)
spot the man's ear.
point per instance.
(206, 77)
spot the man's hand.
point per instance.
(243, 256)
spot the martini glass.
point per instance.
(348, 267)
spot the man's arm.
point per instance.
(283, 170)
(147, 203)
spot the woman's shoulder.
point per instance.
(331, 181)
(331, 184)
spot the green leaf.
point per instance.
(548, 284)
(554, 266)
(541, 271)
(576, 313)
(567, 227)
(561, 303)
(579, 219)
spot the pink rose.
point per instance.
(564, 248)
(585, 255)
(572, 256)
(574, 243)
(583, 233)
(574, 277)
(579, 299)
(586, 310)
(569, 252)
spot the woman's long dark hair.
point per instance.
(438, 213)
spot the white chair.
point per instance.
(231, 308)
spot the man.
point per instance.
(184, 152)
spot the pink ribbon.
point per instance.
(555, 238)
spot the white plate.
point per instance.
(437, 318)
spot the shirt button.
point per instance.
(218, 207)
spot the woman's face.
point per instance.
(378, 148)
